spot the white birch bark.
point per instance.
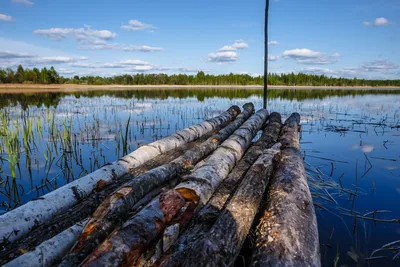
(50, 251)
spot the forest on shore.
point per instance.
(51, 76)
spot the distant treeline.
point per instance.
(50, 76)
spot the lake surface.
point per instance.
(350, 140)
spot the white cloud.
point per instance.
(89, 39)
(65, 71)
(380, 69)
(379, 65)
(273, 58)
(5, 18)
(273, 43)
(240, 44)
(48, 60)
(309, 57)
(227, 53)
(226, 48)
(8, 55)
(81, 35)
(120, 47)
(83, 58)
(378, 22)
(223, 57)
(135, 25)
(22, 2)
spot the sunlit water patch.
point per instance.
(350, 141)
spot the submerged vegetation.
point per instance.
(50, 76)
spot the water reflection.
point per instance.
(350, 141)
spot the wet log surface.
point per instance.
(287, 234)
(116, 207)
(201, 224)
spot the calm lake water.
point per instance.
(350, 140)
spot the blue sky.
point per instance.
(345, 38)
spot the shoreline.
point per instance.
(35, 88)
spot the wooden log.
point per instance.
(287, 234)
(201, 224)
(223, 242)
(87, 206)
(117, 205)
(125, 245)
(20, 221)
(51, 251)
(201, 184)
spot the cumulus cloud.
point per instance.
(5, 18)
(135, 25)
(120, 47)
(227, 53)
(22, 2)
(65, 71)
(240, 44)
(223, 56)
(378, 22)
(273, 58)
(89, 39)
(81, 35)
(10, 55)
(273, 43)
(380, 68)
(309, 57)
(379, 65)
(48, 60)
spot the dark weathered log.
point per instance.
(86, 207)
(125, 245)
(287, 234)
(201, 184)
(208, 215)
(116, 206)
(20, 221)
(223, 242)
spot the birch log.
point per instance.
(51, 251)
(201, 224)
(20, 221)
(287, 234)
(223, 242)
(117, 205)
(201, 184)
(125, 245)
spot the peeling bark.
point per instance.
(287, 234)
(201, 184)
(125, 245)
(20, 221)
(201, 224)
(223, 242)
(117, 205)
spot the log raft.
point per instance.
(195, 206)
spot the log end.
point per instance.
(188, 194)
